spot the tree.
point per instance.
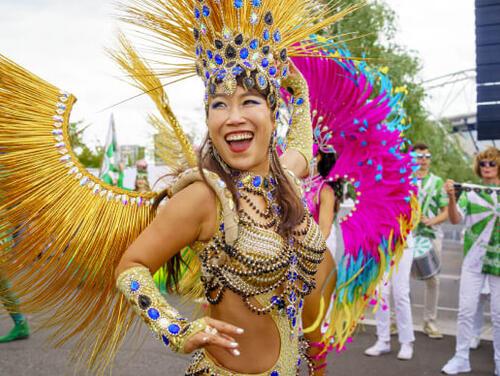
(374, 26)
(88, 157)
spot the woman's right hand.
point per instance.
(216, 333)
(449, 188)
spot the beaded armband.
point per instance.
(300, 136)
(139, 288)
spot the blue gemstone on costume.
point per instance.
(240, 184)
(275, 373)
(134, 286)
(221, 227)
(254, 44)
(219, 60)
(244, 53)
(275, 300)
(272, 181)
(197, 13)
(174, 329)
(238, 4)
(210, 54)
(291, 311)
(256, 3)
(237, 70)
(153, 314)
(206, 11)
(378, 177)
(301, 303)
(364, 143)
(207, 75)
(284, 73)
(292, 297)
(273, 70)
(299, 101)
(265, 63)
(294, 322)
(294, 260)
(257, 181)
(165, 340)
(262, 81)
(266, 35)
(277, 36)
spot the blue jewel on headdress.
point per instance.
(272, 70)
(292, 297)
(219, 60)
(153, 314)
(206, 11)
(265, 63)
(221, 74)
(262, 81)
(207, 75)
(174, 329)
(378, 177)
(197, 13)
(266, 35)
(291, 311)
(254, 44)
(284, 73)
(134, 286)
(256, 3)
(244, 53)
(294, 322)
(210, 54)
(237, 70)
(165, 339)
(238, 4)
(198, 51)
(257, 181)
(277, 36)
(299, 101)
(275, 373)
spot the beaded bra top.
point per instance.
(260, 261)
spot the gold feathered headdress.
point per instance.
(220, 40)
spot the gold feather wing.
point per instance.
(70, 229)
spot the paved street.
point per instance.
(34, 358)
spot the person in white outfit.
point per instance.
(479, 317)
(479, 208)
(399, 284)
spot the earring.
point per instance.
(218, 158)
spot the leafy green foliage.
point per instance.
(90, 158)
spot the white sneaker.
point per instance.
(379, 348)
(456, 365)
(406, 351)
(475, 343)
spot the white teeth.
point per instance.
(239, 136)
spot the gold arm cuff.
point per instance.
(165, 322)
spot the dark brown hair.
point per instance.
(287, 197)
(420, 146)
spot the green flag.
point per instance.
(110, 169)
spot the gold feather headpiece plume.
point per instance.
(222, 40)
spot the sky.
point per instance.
(64, 41)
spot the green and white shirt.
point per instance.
(432, 198)
(480, 212)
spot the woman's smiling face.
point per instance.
(240, 127)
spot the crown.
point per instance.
(223, 40)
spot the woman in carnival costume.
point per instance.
(478, 207)
(356, 112)
(261, 260)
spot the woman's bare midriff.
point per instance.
(259, 344)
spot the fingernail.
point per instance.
(236, 353)
(234, 344)
(240, 331)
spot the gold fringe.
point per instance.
(70, 228)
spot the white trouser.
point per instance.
(400, 283)
(471, 284)
(431, 292)
(478, 320)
